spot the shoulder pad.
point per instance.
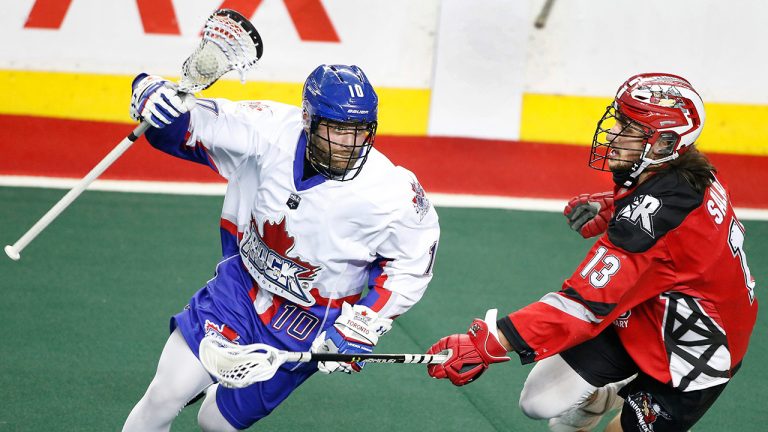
(654, 208)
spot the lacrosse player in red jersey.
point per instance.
(657, 318)
(324, 240)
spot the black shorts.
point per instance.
(649, 405)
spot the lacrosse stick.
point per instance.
(541, 19)
(238, 366)
(230, 42)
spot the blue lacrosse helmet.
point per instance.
(340, 114)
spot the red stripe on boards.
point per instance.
(39, 146)
(526, 169)
(494, 167)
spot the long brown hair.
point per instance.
(695, 168)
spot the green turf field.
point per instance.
(85, 314)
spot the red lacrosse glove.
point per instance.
(464, 365)
(471, 353)
(589, 214)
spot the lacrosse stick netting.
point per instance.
(237, 366)
(230, 42)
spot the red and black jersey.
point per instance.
(670, 274)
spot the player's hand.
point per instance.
(589, 214)
(156, 100)
(357, 330)
(471, 353)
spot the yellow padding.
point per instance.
(729, 128)
(106, 98)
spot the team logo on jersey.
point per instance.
(646, 410)
(420, 201)
(641, 210)
(266, 256)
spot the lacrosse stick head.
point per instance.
(237, 366)
(230, 42)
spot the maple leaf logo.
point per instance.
(277, 238)
(267, 258)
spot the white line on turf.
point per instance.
(214, 189)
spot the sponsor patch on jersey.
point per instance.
(293, 201)
(641, 211)
(623, 320)
(266, 256)
(647, 410)
(420, 201)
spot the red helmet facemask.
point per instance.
(662, 110)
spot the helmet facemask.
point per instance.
(338, 150)
(632, 147)
(609, 142)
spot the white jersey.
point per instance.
(315, 241)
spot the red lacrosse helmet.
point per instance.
(665, 107)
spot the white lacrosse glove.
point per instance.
(156, 100)
(357, 330)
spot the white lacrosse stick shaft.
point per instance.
(14, 251)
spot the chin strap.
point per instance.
(624, 178)
(628, 178)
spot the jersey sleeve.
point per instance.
(220, 133)
(399, 276)
(604, 286)
(628, 265)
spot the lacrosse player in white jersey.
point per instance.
(313, 215)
